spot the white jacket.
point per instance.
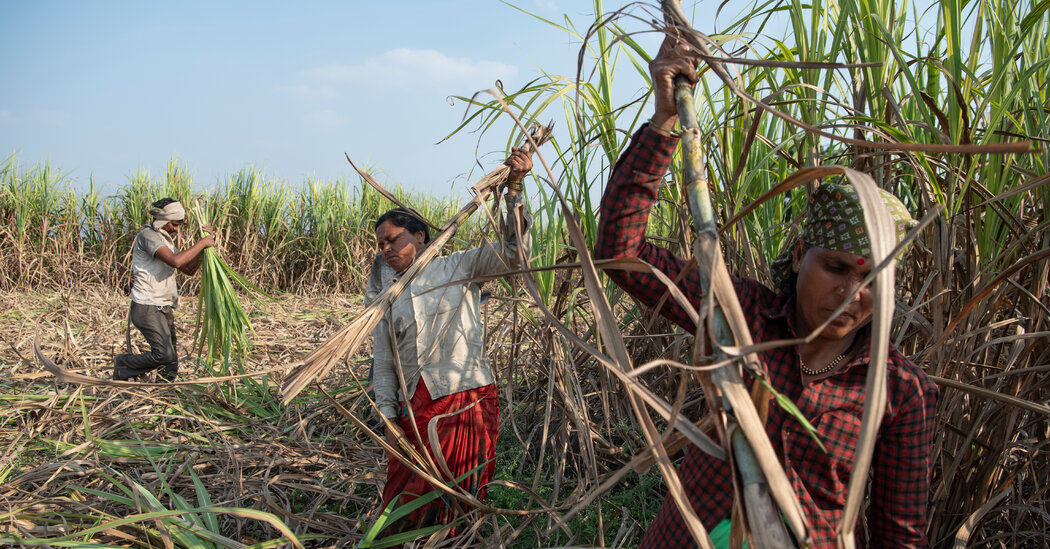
(438, 329)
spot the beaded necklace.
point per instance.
(831, 365)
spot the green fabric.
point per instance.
(720, 535)
(836, 222)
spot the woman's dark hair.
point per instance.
(785, 279)
(163, 202)
(400, 217)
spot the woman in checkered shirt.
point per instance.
(825, 378)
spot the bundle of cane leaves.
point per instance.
(222, 323)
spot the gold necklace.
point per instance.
(831, 365)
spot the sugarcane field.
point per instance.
(763, 275)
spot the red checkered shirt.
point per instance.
(900, 472)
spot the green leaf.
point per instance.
(788, 406)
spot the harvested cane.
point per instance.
(347, 340)
(221, 321)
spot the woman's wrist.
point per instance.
(665, 129)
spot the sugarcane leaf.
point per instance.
(392, 513)
(788, 406)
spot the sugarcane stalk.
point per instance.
(729, 328)
(347, 340)
(767, 530)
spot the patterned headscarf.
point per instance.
(836, 222)
(172, 212)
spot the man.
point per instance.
(154, 293)
(825, 378)
(432, 341)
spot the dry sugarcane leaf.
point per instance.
(980, 296)
(695, 435)
(882, 235)
(1020, 189)
(1029, 405)
(65, 376)
(962, 535)
(435, 441)
(638, 265)
(387, 194)
(609, 330)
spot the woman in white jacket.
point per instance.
(432, 341)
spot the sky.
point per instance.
(103, 89)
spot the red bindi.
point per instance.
(860, 261)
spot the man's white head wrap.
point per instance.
(172, 212)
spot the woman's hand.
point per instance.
(674, 59)
(520, 163)
(393, 434)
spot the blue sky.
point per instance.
(102, 89)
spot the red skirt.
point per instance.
(466, 439)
